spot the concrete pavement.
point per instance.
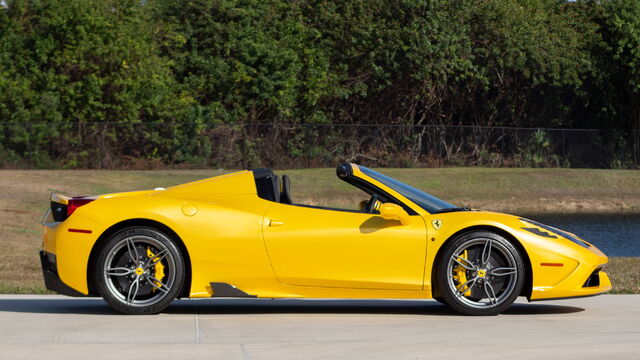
(56, 327)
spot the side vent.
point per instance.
(221, 289)
(594, 279)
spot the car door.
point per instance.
(310, 246)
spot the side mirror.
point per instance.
(391, 211)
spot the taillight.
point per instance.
(75, 203)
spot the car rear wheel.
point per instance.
(480, 273)
(139, 270)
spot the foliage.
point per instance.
(165, 71)
(537, 152)
(66, 61)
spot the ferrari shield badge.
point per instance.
(437, 223)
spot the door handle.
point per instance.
(275, 222)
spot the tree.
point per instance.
(67, 61)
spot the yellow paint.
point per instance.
(189, 209)
(277, 250)
(314, 247)
(390, 211)
(158, 268)
(461, 274)
(139, 271)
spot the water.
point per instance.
(614, 234)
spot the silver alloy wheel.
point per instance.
(131, 271)
(485, 277)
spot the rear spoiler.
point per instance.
(59, 199)
(63, 206)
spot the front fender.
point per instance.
(547, 281)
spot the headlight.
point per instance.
(551, 232)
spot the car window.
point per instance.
(339, 197)
(323, 190)
(426, 201)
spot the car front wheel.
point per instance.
(480, 273)
(139, 270)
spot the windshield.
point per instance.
(428, 202)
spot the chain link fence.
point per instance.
(157, 145)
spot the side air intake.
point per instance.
(594, 279)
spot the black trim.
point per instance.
(285, 193)
(593, 280)
(456, 209)
(58, 211)
(267, 184)
(540, 232)
(566, 297)
(52, 280)
(369, 188)
(558, 232)
(344, 170)
(221, 289)
(328, 208)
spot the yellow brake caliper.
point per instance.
(461, 275)
(159, 269)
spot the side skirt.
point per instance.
(221, 289)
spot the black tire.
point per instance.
(440, 299)
(496, 276)
(128, 287)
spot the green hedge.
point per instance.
(531, 63)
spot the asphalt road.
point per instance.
(56, 327)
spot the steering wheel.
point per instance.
(371, 204)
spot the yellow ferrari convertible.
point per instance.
(243, 235)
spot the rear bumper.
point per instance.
(67, 246)
(51, 279)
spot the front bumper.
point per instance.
(586, 278)
(51, 279)
(586, 283)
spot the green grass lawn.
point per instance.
(24, 198)
(625, 275)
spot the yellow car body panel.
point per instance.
(547, 281)
(314, 247)
(270, 249)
